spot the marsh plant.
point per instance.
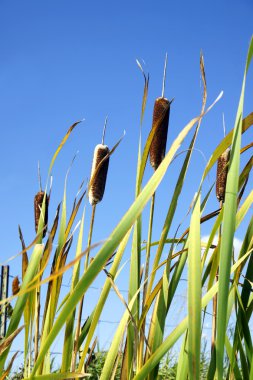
(217, 281)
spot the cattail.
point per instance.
(15, 285)
(97, 186)
(160, 123)
(38, 201)
(221, 177)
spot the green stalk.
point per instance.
(228, 228)
(141, 346)
(80, 310)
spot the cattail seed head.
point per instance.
(97, 187)
(158, 145)
(221, 177)
(38, 201)
(15, 285)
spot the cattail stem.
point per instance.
(39, 177)
(80, 310)
(215, 298)
(150, 228)
(164, 74)
(90, 236)
(37, 324)
(151, 215)
(104, 129)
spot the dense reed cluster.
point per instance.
(218, 284)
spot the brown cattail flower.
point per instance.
(98, 181)
(160, 122)
(221, 177)
(38, 201)
(15, 285)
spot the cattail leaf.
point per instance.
(34, 242)
(65, 138)
(4, 375)
(226, 142)
(41, 201)
(103, 297)
(235, 367)
(150, 300)
(246, 147)
(113, 350)
(228, 227)
(145, 90)
(194, 293)
(182, 366)
(4, 344)
(69, 329)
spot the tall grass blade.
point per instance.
(228, 227)
(194, 293)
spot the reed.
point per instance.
(138, 349)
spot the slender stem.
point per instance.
(151, 215)
(80, 310)
(215, 299)
(164, 74)
(37, 323)
(90, 236)
(104, 129)
(39, 177)
(224, 125)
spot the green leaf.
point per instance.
(228, 227)
(194, 293)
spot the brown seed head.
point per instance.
(15, 285)
(160, 122)
(97, 187)
(38, 201)
(221, 177)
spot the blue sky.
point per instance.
(61, 61)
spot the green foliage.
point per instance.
(137, 350)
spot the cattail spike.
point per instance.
(15, 286)
(160, 123)
(164, 74)
(221, 177)
(98, 175)
(38, 202)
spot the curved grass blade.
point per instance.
(194, 293)
(228, 227)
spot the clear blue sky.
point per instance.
(61, 61)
